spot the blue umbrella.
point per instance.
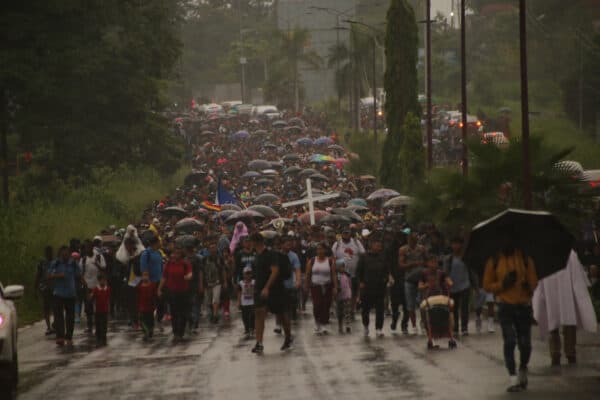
(305, 141)
(241, 135)
(323, 140)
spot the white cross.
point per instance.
(310, 200)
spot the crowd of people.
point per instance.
(227, 239)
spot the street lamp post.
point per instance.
(527, 200)
(463, 88)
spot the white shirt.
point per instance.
(349, 252)
(247, 298)
(321, 272)
(90, 267)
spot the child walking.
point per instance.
(246, 302)
(101, 295)
(146, 304)
(344, 298)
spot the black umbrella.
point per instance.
(539, 234)
(336, 147)
(335, 219)
(276, 165)
(295, 121)
(347, 213)
(292, 170)
(261, 132)
(264, 181)
(195, 178)
(258, 165)
(264, 210)
(291, 157)
(266, 198)
(245, 216)
(319, 177)
(174, 212)
(226, 214)
(229, 206)
(188, 225)
(292, 129)
(308, 172)
(269, 146)
(251, 174)
(279, 124)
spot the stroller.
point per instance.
(436, 311)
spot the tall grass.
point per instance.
(117, 197)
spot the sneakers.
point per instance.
(277, 330)
(318, 330)
(412, 330)
(514, 385)
(523, 381)
(366, 331)
(379, 333)
(287, 344)
(491, 327)
(324, 330)
(258, 348)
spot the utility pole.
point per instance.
(527, 199)
(463, 88)
(337, 62)
(374, 89)
(4, 149)
(242, 57)
(428, 85)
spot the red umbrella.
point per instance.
(319, 214)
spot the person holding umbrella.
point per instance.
(511, 277)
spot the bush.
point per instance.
(117, 197)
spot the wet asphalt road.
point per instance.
(218, 364)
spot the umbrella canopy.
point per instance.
(230, 207)
(207, 133)
(319, 177)
(292, 170)
(398, 201)
(353, 216)
(323, 140)
(321, 158)
(258, 165)
(336, 147)
(174, 212)
(251, 174)
(367, 178)
(279, 124)
(383, 194)
(266, 198)
(241, 135)
(308, 172)
(264, 181)
(292, 129)
(260, 132)
(357, 202)
(358, 209)
(276, 165)
(245, 216)
(269, 172)
(319, 214)
(188, 225)
(269, 234)
(538, 234)
(195, 178)
(305, 141)
(291, 157)
(187, 241)
(296, 122)
(226, 214)
(264, 210)
(334, 219)
(269, 146)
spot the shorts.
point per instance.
(411, 294)
(276, 303)
(213, 295)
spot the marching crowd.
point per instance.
(191, 257)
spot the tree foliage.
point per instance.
(411, 166)
(400, 83)
(87, 81)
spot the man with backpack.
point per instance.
(151, 260)
(269, 291)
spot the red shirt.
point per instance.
(102, 296)
(174, 273)
(146, 297)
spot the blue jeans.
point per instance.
(515, 321)
(411, 293)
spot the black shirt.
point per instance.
(262, 272)
(373, 271)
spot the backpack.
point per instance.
(211, 272)
(285, 266)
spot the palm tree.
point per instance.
(294, 49)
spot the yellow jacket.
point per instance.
(496, 268)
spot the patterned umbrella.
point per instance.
(383, 194)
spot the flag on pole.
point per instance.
(210, 206)
(223, 196)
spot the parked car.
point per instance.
(9, 366)
(268, 111)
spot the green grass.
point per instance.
(117, 198)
